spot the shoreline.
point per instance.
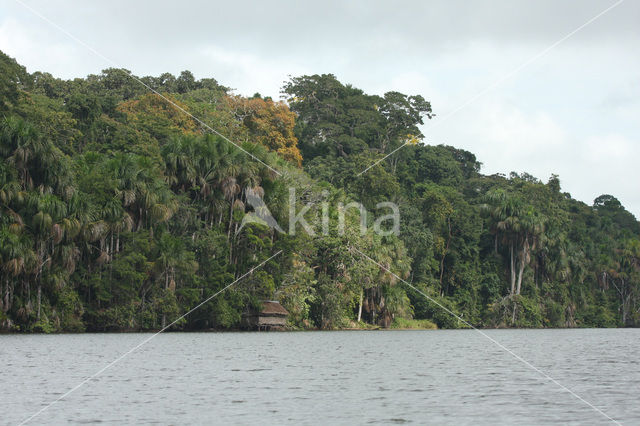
(348, 329)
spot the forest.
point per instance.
(121, 212)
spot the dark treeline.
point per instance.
(120, 212)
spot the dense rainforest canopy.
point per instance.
(118, 211)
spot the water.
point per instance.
(378, 377)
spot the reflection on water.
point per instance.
(435, 377)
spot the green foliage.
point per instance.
(13, 78)
(71, 310)
(120, 212)
(437, 309)
(407, 324)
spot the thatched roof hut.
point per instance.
(272, 316)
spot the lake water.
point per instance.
(362, 377)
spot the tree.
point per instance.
(339, 120)
(520, 227)
(13, 79)
(118, 211)
(269, 123)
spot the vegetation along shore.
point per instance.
(118, 211)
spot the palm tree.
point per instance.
(505, 211)
(16, 262)
(45, 224)
(626, 277)
(38, 162)
(520, 227)
(381, 297)
(531, 227)
(20, 143)
(180, 157)
(172, 257)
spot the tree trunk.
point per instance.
(230, 219)
(360, 305)
(523, 262)
(444, 253)
(623, 301)
(521, 270)
(513, 269)
(11, 289)
(39, 298)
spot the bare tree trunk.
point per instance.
(521, 269)
(513, 269)
(623, 301)
(39, 298)
(373, 310)
(360, 305)
(11, 294)
(230, 219)
(446, 250)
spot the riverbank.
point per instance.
(397, 324)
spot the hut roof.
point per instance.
(270, 307)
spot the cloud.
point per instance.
(610, 148)
(608, 166)
(506, 138)
(29, 48)
(253, 73)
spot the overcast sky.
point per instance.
(574, 111)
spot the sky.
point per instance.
(504, 80)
